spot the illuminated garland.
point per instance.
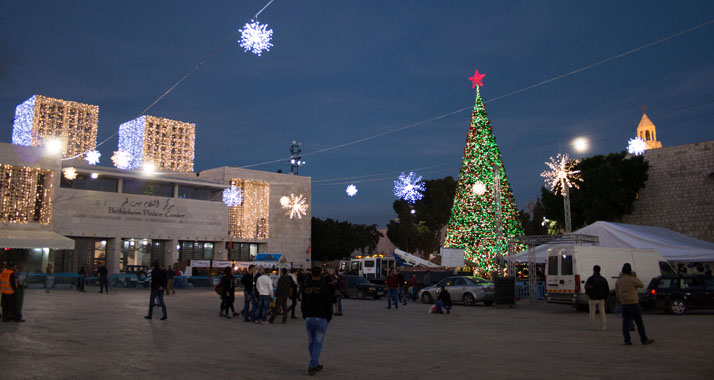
(473, 224)
(25, 194)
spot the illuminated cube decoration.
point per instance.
(168, 144)
(25, 194)
(41, 118)
(249, 220)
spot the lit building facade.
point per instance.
(127, 219)
(41, 118)
(168, 144)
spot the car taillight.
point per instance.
(653, 292)
(577, 283)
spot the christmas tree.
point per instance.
(484, 214)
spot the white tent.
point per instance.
(672, 245)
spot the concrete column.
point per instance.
(219, 250)
(176, 194)
(113, 254)
(171, 254)
(120, 186)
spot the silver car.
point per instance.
(463, 289)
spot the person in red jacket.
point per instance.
(392, 285)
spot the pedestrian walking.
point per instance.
(413, 288)
(81, 278)
(227, 293)
(626, 289)
(392, 284)
(293, 294)
(49, 280)
(158, 284)
(340, 287)
(597, 290)
(401, 281)
(300, 282)
(248, 296)
(170, 274)
(316, 309)
(264, 289)
(9, 288)
(443, 301)
(103, 274)
(282, 293)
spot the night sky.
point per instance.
(345, 70)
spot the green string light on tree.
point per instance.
(474, 222)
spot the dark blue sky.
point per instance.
(344, 70)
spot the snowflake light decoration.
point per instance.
(351, 190)
(479, 188)
(232, 196)
(636, 146)
(121, 159)
(256, 37)
(561, 174)
(409, 187)
(92, 157)
(70, 173)
(295, 205)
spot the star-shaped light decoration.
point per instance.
(478, 188)
(232, 196)
(561, 174)
(295, 205)
(256, 37)
(92, 157)
(477, 79)
(409, 187)
(636, 146)
(121, 159)
(351, 190)
(70, 173)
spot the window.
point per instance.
(84, 182)
(141, 187)
(647, 135)
(199, 192)
(566, 265)
(665, 283)
(369, 264)
(709, 282)
(695, 283)
(666, 269)
(458, 282)
(552, 265)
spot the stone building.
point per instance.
(679, 193)
(127, 218)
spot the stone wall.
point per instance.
(679, 193)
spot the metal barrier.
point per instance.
(523, 290)
(117, 280)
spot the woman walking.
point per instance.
(227, 293)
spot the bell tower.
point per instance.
(646, 131)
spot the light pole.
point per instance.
(295, 157)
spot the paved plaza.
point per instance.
(69, 335)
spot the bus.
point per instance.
(372, 267)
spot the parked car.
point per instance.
(360, 287)
(677, 294)
(463, 289)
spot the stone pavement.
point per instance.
(68, 335)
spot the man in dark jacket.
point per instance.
(158, 284)
(281, 297)
(247, 282)
(443, 301)
(316, 309)
(103, 274)
(597, 290)
(392, 284)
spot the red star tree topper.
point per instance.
(477, 79)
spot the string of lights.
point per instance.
(183, 78)
(530, 87)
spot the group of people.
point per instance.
(598, 291)
(318, 295)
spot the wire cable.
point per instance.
(555, 78)
(183, 78)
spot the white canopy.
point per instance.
(672, 245)
(34, 239)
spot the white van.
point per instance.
(568, 267)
